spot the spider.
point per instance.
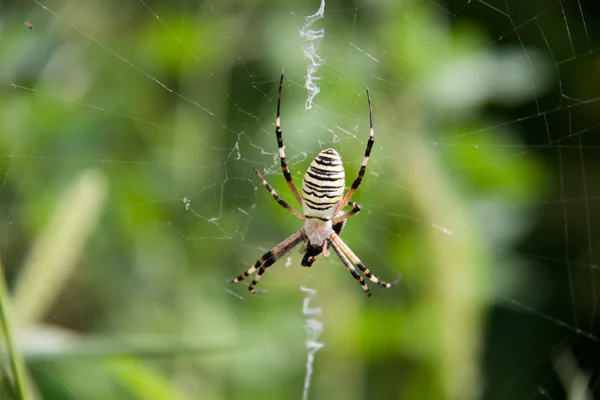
(322, 202)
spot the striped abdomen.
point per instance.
(323, 185)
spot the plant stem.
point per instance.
(14, 356)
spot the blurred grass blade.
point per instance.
(55, 253)
(143, 381)
(14, 356)
(459, 280)
(574, 380)
(44, 344)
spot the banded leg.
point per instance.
(351, 268)
(355, 209)
(356, 261)
(363, 166)
(278, 199)
(284, 167)
(269, 258)
(326, 248)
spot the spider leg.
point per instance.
(355, 209)
(335, 239)
(363, 166)
(303, 247)
(326, 248)
(284, 167)
(270, 257)
(278, 199)
(351, 268)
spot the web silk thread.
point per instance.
(314, 328)
(314, 38)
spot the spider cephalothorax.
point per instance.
(312, 251)
(322, 202)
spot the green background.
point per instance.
(127, 198)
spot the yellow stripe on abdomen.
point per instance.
(323, 185)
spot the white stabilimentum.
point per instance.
(314, 328)
(313, 36)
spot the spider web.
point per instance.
(486, 134)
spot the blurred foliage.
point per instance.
(173, 111)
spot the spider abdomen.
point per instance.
(323, 185)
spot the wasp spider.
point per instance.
(322, 202)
